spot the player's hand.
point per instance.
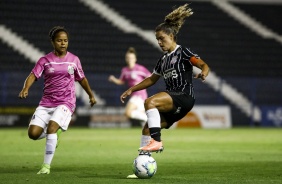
(23, 94)
(125, 94)
(200, 76)
(92, 101)
(111, 78)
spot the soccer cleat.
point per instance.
(132, 176)
(59, 131)
(45, 169)
(153, 146)
(145, 153)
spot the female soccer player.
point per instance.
(60, 69)
(132, 74)
(176, 66)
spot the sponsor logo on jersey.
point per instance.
(171, 73)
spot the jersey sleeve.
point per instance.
(39, 67)
(79, 73)
(190, 56)
(157, 69)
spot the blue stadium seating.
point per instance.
(245, 60)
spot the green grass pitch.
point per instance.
(239, 155)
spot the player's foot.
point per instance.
(153, 146)
(45, 169)
(59, 131)
(132, 176)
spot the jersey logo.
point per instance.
(51, 70)
(173, 60)
(70, 69)
(170, 73)
(177, 110)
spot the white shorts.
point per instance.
(60, 114)
(138, 101)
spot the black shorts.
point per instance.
(183, 103)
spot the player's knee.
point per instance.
(34, 135)
(149, 103)
(52, 127)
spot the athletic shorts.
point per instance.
(60, 114)
(183, 103)
(138, 101)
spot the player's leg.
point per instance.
(51, 142)
(60, 120)
(161, 102)
(135, 111)
(38, 123)
(151, 145)
(145, 140)
(129, 108)
(36, 132)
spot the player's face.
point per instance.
(165, 41)
(60, 43)
(130, 59)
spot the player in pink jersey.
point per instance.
(60, 69)
(132, 74)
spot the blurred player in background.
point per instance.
(176, 67)
(60, 69)
(132, 74)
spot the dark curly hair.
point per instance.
(55, 30)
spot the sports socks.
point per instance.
(145, 139)
(154, 123)
(51, 142)
(43, 135)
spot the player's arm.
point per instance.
(27, 83)
(85, 85)
(199, 63)
(115, 80)
(149, 81)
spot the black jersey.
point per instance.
(177, 70)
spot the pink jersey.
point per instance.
(134, 76)
(59, 76)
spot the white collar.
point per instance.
(177, 46)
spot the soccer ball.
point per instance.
(144, 166)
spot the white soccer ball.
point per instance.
(144, 166)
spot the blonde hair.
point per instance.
(174, 20)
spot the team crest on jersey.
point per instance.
(173, 60)
(133, 75)
(70, 69)
(51, 70)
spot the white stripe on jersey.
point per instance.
(177, 69)
(61, 63)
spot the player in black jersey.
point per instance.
(176, 67)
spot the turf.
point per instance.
(250, 155)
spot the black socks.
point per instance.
(155, 133)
